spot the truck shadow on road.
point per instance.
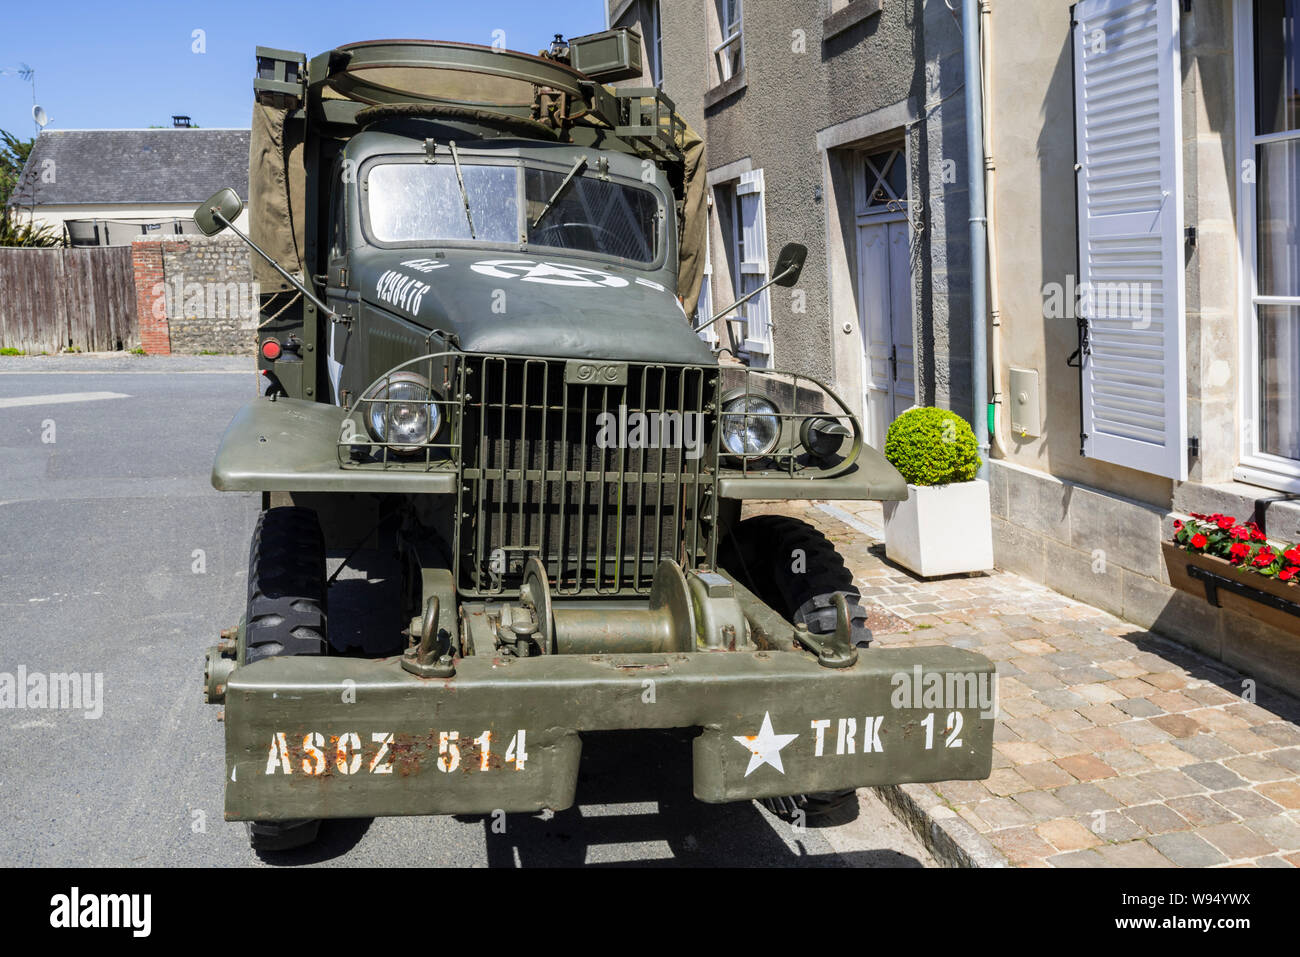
(337, 838)
(635, 808)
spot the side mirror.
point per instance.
(229, 205)
(785, 273)
(789, 261)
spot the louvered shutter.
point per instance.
(753, 263)
(704, 306)
(1128, 142)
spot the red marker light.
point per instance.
(271, 349)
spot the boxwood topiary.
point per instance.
(932, 447)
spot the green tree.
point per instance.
(16, 230)
(13, 157)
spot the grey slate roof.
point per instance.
(135, 166)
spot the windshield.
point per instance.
(590, 215)
(422, 203)
(411, 202)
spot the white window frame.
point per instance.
(732, 32)
(654, 44)
(1254, 466)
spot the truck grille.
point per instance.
(547, 470)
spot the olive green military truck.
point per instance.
(472, 264)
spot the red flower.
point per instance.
(1288, 573)
(1240, 532)
(1239, 551)
(1224, 522)
(1198, 540)
(1257, 536)
(1177, 525)
(1292, 555)
(1264, 558)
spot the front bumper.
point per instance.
(343, 737)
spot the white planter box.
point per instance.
(941, 529)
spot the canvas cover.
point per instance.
(277, 190)
(694, 226)
(277, 181)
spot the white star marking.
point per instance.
(764, 747)
(551, 274)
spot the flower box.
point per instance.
(1233, 587)
(941, 529)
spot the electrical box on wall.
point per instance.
(1024, 404)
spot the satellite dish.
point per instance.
(38, 114)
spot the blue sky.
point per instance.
(131, 63)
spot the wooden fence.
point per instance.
(52, 299)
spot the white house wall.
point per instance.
(55, 216)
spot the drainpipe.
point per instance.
(970, 20)
(997, 408)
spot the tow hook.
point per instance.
(431, 658)
(836, 649)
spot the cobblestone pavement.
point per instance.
(1114, 747)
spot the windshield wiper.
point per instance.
(578, 167)
(455, 158)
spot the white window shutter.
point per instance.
(1128, 143)
(753, 267)
(704, 306)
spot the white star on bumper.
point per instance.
(764, 747)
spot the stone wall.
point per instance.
(196, 295)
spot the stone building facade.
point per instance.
(841, 129)
(1148, 144)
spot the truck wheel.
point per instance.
(824, 809)
(286, 616)
(286, 586)
(792, 567)
(271, 836)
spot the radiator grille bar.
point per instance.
(602, 480)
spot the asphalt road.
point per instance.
(118, 558)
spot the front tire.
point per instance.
(286, 586)
(796, 571)
(286, 616)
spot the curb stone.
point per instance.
(952, 841)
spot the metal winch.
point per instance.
(687, 611)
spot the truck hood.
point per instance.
(511, 303)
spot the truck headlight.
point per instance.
(750, 425)
(402, 412)
(822, 436)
